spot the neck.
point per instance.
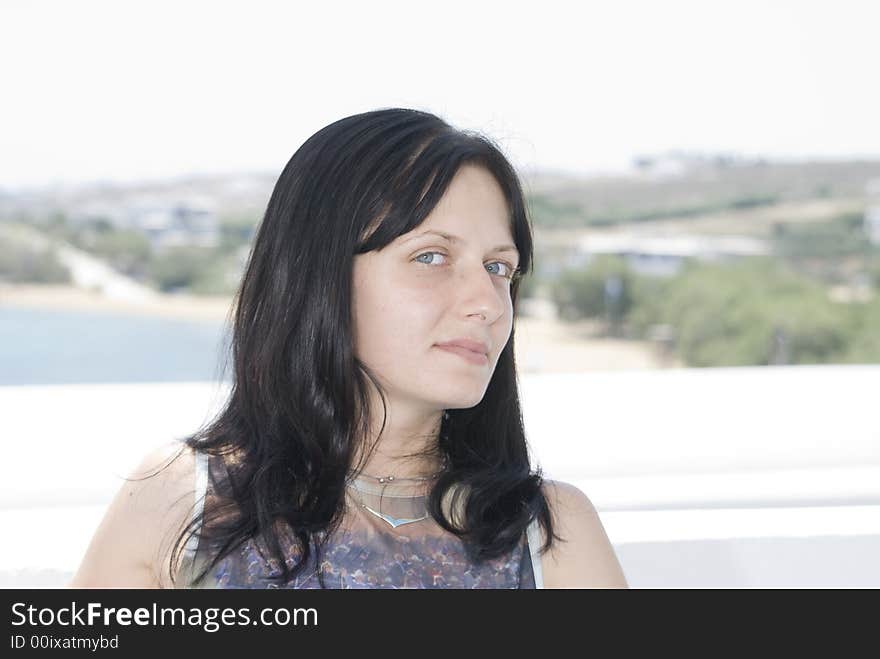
(405, 449)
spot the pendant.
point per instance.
(394, 521)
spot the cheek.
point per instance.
(394, 322)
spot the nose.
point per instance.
(481, 294)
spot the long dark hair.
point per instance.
(297, 411)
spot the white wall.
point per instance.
(703, 477)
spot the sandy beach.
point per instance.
(543, 344)
(72, 298)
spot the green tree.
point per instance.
(602, 289)
(197, 270)
(864, 347)
(22, 264)
(754, 312)
(125, 250)
(180, 267)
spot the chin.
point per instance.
(460, 402)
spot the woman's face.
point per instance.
(423, 289)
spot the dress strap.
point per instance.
(192, 543)
(534, 543)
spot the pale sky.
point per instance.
(124, 90)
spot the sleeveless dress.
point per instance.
(364, 552)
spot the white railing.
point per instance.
(702, 477)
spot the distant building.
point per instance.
(178, 221)
(662, 256)
(661, 166)
(178, 224)
(675, 163)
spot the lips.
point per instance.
(472, 351)
(467, 344)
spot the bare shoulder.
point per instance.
(132, 545)
(584, 558)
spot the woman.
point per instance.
(373, 434)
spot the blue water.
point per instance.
(70, 347)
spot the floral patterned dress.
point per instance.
(364, 552)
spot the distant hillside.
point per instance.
(564, 202)
(234, 195)
(556, 200)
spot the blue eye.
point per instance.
(506, 265)
(511, 271)
(427, 254)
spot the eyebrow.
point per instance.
(456, 239)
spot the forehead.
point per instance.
(473, 209)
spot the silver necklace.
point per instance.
(394, 522)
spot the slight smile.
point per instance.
(471, 356)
